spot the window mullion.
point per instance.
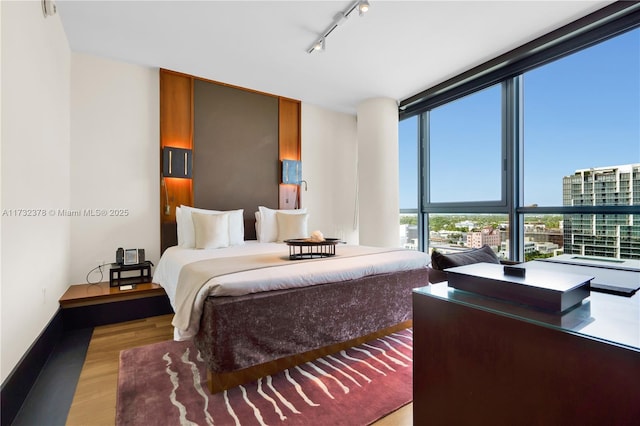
(514, 159)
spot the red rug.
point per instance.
(165, 384)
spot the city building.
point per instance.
(548, 248)
(488, 236)
(616, 236)
(530, 247)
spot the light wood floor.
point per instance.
(94, 402)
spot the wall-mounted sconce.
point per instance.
(291, 172)
(176, 162)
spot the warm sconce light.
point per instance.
(291, 172)
(176, 162)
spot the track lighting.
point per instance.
(340, 19)
(362, 6)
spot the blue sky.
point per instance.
(581, 111)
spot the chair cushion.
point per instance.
(441, 261)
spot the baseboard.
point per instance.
(17, 385)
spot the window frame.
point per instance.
(508, 70)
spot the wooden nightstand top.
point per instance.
(93, 294)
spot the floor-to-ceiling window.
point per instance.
(581, 120)
(542, 161)
(465, 185)
(408, 157)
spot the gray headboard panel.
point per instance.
(235, 150)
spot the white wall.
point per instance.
(35, 174)
(329, 160)
(79, 134)
(115, 159)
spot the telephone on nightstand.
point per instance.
(129, 256)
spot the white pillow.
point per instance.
(268, 227)
(179, 226)
(211, 230)
(291, 226)
(236, 226)
(257, 215)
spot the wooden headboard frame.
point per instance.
(177, 130)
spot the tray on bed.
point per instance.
(304, 248)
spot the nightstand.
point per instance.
(90, 305)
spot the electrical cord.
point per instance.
(99, 267)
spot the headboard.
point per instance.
(238, 140)
(235, 145)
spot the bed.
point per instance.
(251, 311)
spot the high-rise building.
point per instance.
(603, 235)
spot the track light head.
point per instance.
(48, 8)
(320, 45)
(363, 7)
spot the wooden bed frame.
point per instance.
(247, 337)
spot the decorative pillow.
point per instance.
(257, 215)
(211, 230)
(268, 223)
(291, 226)
(179, 226)
(441, 261)
(186, 225)
(236, 227)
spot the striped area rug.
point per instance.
(165, 384)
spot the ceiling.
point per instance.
(397, 49)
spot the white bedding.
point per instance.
(295, 274)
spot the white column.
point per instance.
(378, 172)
